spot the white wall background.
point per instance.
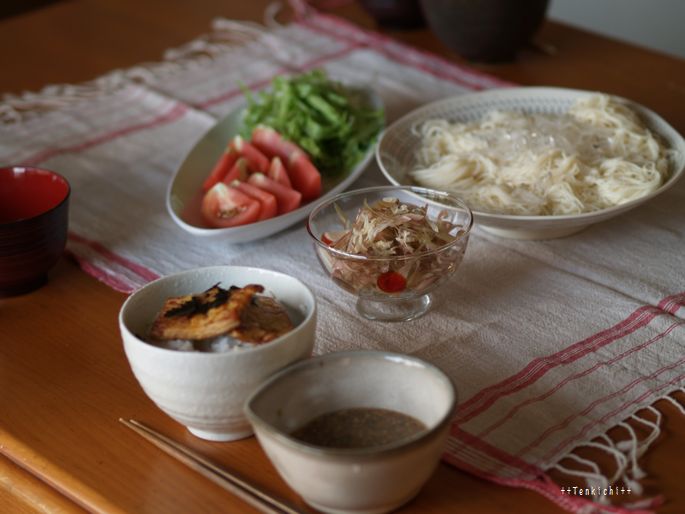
(656, 24)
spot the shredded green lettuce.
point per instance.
(329, 121)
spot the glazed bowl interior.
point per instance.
(346, 380)
(27, 192)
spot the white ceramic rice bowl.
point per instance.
(206, 391)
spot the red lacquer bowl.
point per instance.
(34, 206)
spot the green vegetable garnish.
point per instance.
(329, 121)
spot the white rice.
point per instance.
(219, 344)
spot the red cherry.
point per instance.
(391, 282)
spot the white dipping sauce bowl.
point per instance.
(366, 480)
(206, 391)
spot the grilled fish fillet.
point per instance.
(262, 321)
(213, 313)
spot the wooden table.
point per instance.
(64, 379)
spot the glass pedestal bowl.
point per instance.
(391, 287)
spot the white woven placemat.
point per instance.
(550, 343)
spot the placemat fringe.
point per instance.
(593, 479)
(626, 454)
(203, 51)
(16, 108)
(675, 402)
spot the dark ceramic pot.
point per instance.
(34, 209)
(485, 30)
(395, 14)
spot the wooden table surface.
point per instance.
(64, 379)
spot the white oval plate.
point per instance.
(184, 195)
(397, 149)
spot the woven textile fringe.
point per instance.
(129, 272)
(225, 34)
(626, 454)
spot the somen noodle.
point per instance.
(597, 155)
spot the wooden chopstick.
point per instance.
(261, 500)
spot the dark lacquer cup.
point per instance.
(34, 205)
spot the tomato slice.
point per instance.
(256, 160)
(267, 201)
(273, 145)
(287, 199)
(304, 176)
(278, 173)
(221, 168)
(237, 172)
(223, 206)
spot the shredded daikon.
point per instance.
(597, 155)
(393, 228)
(401, 241)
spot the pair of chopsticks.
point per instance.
(261, 500)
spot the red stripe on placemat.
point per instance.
(265, 81)
(405, 54)
(95, 271)
(84, 107)
(624, 406)
(378, 46)
(176, 112)
(529, 401)
(107, 254)
(673, 303)
(493, 451)
(594, 404)
(538, 367)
